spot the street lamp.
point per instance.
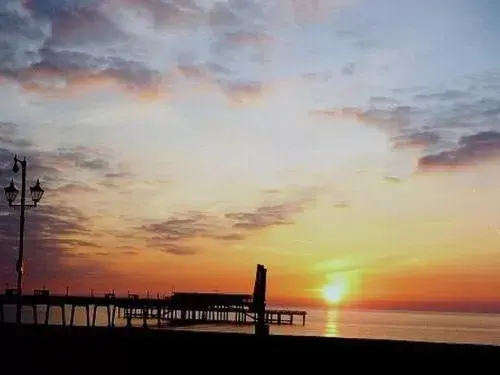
(11, 193)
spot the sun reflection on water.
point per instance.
(332, 323)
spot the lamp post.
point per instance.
(11, 194)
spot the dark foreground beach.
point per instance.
(123, 347)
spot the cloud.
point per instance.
(242, 92)
(393, 121)
(53, 167)
(35, 165)
(70, 47)
(170, 235)
(436, 121)
(230, 237)
(74, 188)
(175, 234)
(421, 140)
(78, 157)
(266, 216)
(472, 150)
(176, 249)
(9, 136)
(78, 243)
(52, 234)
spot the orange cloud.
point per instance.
(55, 83)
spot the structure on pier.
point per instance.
(179, 309)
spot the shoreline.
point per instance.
(101, 344)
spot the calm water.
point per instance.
(415, 326)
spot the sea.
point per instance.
(468, 328)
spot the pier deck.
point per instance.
(177, 309)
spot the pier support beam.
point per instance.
(72, 316)
(113, 316)
(144, 318)
(47, 314)
(87, 313)
(35, 314)
(94, 315)
(108, 312)
(63, 315)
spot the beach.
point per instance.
(121, 347)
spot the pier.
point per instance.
(177, 309)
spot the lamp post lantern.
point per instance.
(11, 194)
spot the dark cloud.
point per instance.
(79, 157)
(394, 121)
(118, 175)
(36, 168)
(472, 150)
(173, 235)
(230, 237)
(115, 180)
(9, 136)
(78, 243)
(52, 168)
(433, 120)
(419, 140)
(51, 235)
(170, 235)
(58, 47)
(176, 249)
(266, 216)
(444, 96)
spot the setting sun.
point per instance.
(334, 293)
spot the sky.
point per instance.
(348, 144)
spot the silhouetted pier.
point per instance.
(178, 309)
(166, 311)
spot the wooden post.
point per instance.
(47, 314)
(72, 316)
(113, 316)
(35, 315)
(94, 315)
(87, 313)
(63, 315)
(259, 301)
(108, 312)
(144, 318)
